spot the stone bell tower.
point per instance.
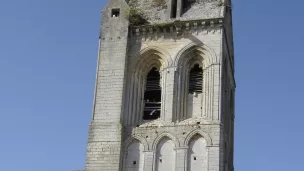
(164, 97)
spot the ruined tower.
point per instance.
(164, 97)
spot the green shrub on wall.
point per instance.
(135, 17)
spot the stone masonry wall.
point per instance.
(159, 10)
(104, 141)
(113, 126)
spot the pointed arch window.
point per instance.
(152, 95)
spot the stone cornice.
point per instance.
(177, 27)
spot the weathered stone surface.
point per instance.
(158, 11)
(119, 138)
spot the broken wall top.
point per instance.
(157, 11)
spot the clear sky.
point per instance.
(48, 55)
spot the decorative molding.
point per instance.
(139, 138)
(161, 136)
(144, 54)
(177, 28)
(206, 136)
(209, 57)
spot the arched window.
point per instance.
(134, 158)
(152, 96)
(165, 155)
(144, 96)
(197, 154)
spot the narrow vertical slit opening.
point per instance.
(173, 8)
(195, 80)
(152, 96)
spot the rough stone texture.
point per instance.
(126, 55)
(204, 10)
(201, 9)
(104, 142)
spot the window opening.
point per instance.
(173, 8)
(152, 96)
(115, 12)
(134, 162)
(196, 79)
(231, 99)
(194, 158)
(186, 5)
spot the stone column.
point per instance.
(214, 158)
(179, 8)
(149, 158)
(168, 94)
(181, 158)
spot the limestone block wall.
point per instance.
(172, 52)
(192, 147)
(119, 138)
(105, 132)
(175, 133)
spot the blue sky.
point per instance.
(48, 54)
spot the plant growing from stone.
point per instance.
(135, 17)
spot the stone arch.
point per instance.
(165, 155)
(206, 136)
(139, 67)
(197, 155)
(189, 105)
(208, 54)
(163, 135)
(133, 157)
(141, 139)
(150, 55)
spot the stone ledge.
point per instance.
(177, 26)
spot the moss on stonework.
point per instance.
(135, 17)
(163, 25)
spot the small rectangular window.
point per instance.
(134, 162)
(194, 158)
(115, 12)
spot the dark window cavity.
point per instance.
(152, 95)
(186, 5)
(173, 8)
(196, 79)
(115, 12)
(231, 99)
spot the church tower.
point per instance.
(164, 96)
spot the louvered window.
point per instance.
(152, 95)
(195, 79)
